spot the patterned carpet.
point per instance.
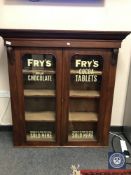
(53, 161)
(105, 172)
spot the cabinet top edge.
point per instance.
(63, 34)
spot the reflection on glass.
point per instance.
(39, 81)
(84, 96)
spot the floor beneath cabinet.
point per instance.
(50, 161)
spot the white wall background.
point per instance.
(108, 15)
(5, 109)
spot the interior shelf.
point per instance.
(37, 92)
(47, 116)
(34, 71)
(83, 117)
(70, 139)
(73, 71)
(84, 93)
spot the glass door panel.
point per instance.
(39, 79)
(84, 96)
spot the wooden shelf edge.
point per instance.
(70, 139)
(47, 116)
(41, 93)
(84, 93)
(26, 71)
(83, 117)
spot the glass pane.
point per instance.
(39, 79)
(84, 96)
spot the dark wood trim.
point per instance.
(63, 34)
(10, 128)
(104, 120)
(109, 100)
(63, 43)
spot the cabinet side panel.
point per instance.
(14, 96)
(109, 101)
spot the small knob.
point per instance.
(68, 43)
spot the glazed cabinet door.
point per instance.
(38, 107)
(87, 97)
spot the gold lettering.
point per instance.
(47, 78)
(82, 134)
(88, 64)
(86, 78)
(41, 134)
(39, 63)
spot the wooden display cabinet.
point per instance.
(61, 86)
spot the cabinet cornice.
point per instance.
(63, 34)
